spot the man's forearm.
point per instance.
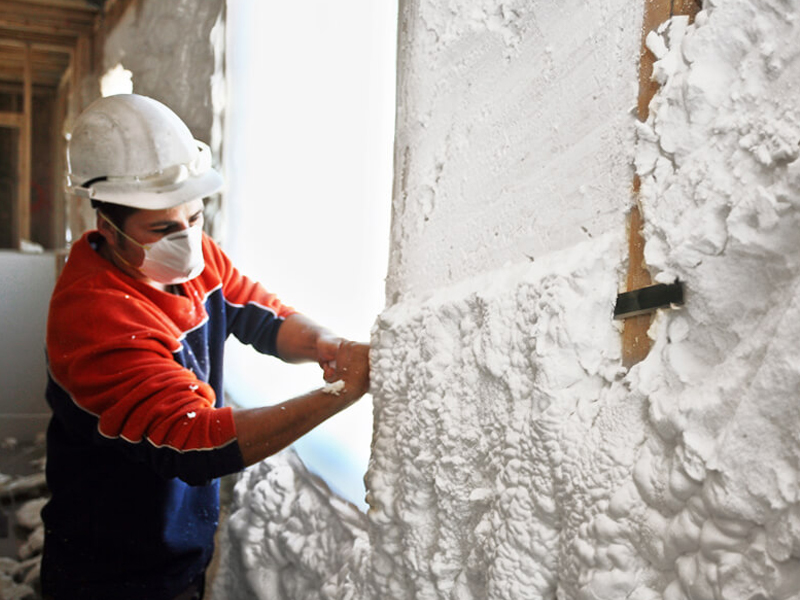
(298, 338)
(262, 432)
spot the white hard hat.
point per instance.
(132, 150)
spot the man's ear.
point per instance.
(105, 229)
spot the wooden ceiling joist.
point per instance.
(11, 119)
(39, 42)
(49, 30)
(52, 19)
(18, 89)
(21, 36)
(61, 46)
(39, 56)
(47, 64)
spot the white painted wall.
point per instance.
(27, 282)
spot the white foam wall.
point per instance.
(513, 457)
(514, 134)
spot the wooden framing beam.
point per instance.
(42, 47)
(73, 20)
(69, 4)
(60, 206)
(26, 132)
(635, 341)
(11, 119)
(46, 46)
(50, 39)
(7, 87)
(82, 63)
(46, 66)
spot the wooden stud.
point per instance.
(48, 18)
(59, 145)
(81, 67)
(11, 119)
(23, 212)
(690, 8)
(635, 342)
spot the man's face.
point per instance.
(149, 226)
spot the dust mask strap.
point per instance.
(122, 233)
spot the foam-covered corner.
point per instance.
(513, 456)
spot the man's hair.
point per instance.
(116, 213)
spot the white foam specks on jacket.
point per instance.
(514, 458)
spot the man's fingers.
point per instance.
(350, 363)
(328, 370)
(353, 364)
(327, 347)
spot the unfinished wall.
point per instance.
(513, 456)
(169, 49)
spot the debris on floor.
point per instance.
(23, 494)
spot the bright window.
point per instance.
(310, 126)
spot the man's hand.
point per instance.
(263, 431)
(352, 367)
(327, 348)
(300, 339)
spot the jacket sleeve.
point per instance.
(253, 315)
(115, 379)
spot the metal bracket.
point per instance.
(648, 299)
(4, 528)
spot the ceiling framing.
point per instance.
(50, 29)
(45, 47)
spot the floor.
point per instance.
(21, 480)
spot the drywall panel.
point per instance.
(27, 282)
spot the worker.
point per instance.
(139, 433)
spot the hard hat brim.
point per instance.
(193, 188)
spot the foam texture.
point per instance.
(513, 457)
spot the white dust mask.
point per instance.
(175, 258)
